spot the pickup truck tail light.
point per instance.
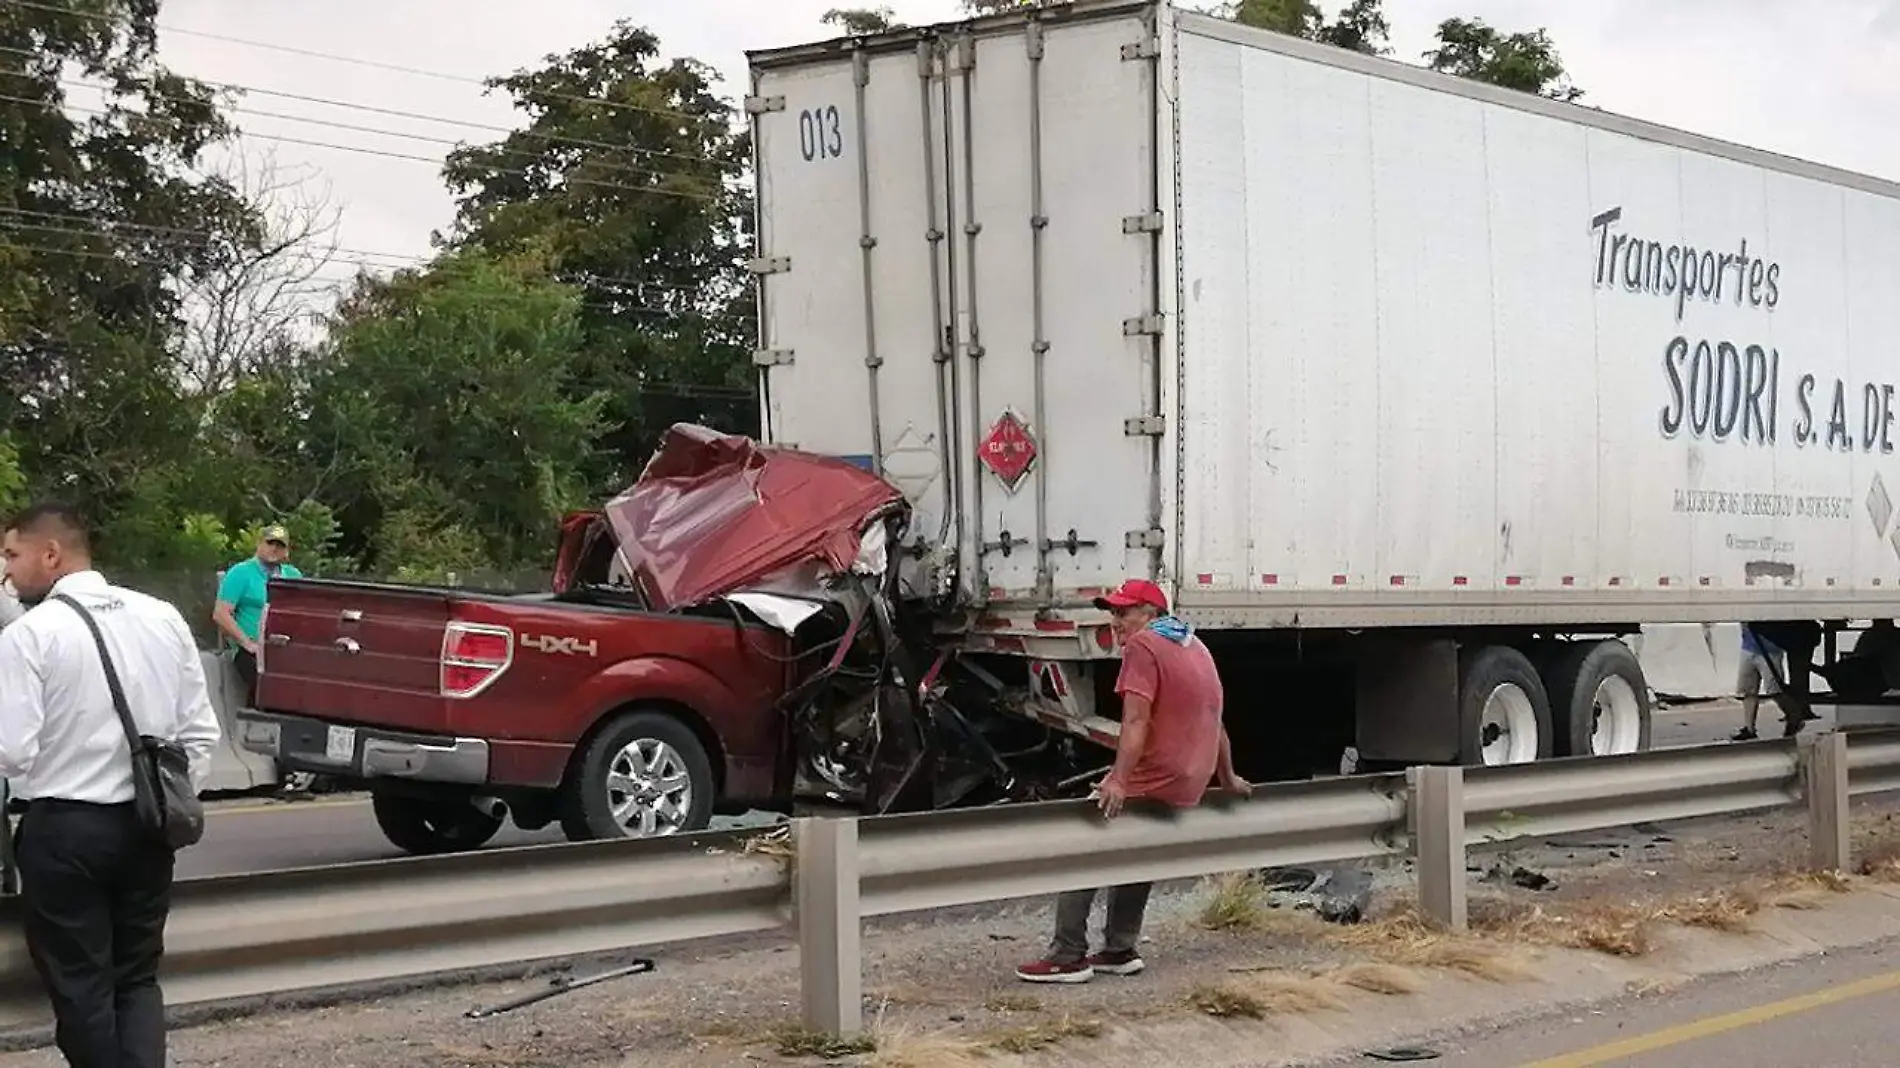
(474, 655)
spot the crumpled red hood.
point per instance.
(714, 513)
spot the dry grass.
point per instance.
(1616, 930)
(903, 1048)
(1259, 995)
(1235, 902)
(1881, 869)
(1728, 911)
(1389, 980)
(801, 1042)
(1404, 938)
(1034, 1037)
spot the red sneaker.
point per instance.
(1049, 971)
(1127, 962)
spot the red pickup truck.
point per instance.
(721, 637)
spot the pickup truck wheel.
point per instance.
(426, 827)
(645, 776)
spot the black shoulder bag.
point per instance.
(163, 796)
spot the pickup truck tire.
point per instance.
(646, 775)
(428, 826)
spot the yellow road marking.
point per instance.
(286, 806)
(1715, 1025)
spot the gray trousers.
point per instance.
(1120, 932)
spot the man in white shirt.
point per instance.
(95, 884)
(10, 609)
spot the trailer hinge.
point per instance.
(1142, 224)
(1141, 325)
(1005, 543)
(1145, 426)
(1147, 539)
(1073, 543)
(769, 265)
(1146, 48)
(759, 105)
(964, 57)
(772, 357)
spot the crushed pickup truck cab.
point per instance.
(727, 634)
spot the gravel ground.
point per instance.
(950, 976)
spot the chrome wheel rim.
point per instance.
(649, 790)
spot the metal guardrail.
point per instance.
(246, 937)
(1588, 793)
(911, 863)
(1873, 762)
(239, 937)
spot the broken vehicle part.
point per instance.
(714, 514)
(1336, 895)
(557, 986)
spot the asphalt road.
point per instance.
(249, 836)
(246, 836)
(1837, 1010)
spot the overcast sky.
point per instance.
(1818, 79)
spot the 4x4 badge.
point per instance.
(548, 643)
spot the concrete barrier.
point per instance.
(233, 768)
(1696, 661)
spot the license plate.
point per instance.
(340, 744)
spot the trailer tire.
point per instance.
(1601, 700)
(1501, 699)
(645, 775)
(431, 826)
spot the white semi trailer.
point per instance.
(1417, 393)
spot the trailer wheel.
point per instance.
(429, 826)
(645, 776)
(1601, 700)
(1503, 706)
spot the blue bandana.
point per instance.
(1172, 629)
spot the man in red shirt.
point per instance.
(1172, 743)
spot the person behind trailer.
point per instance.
(1763, 666)
(95, 881)
(1172, 744)
(242, 597)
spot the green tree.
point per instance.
(1527, 62)
(861, 21)
(104, 222)
(448, 408)
(625, 182)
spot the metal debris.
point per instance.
(560, 984)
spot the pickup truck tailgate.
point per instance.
(355, 652)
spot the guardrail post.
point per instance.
(830, 950)
(1830, 847)
(1438, 840)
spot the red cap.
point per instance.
(1132, 593)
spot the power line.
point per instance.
(356, 61)
(434, 161)
(92, 227)
(617, 307)
(562, 139)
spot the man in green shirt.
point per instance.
(242, 596)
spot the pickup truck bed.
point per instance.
(452, 705)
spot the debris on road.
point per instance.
(557, 986)
(1337, 895)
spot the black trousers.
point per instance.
(246, 665)
(97, 892)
